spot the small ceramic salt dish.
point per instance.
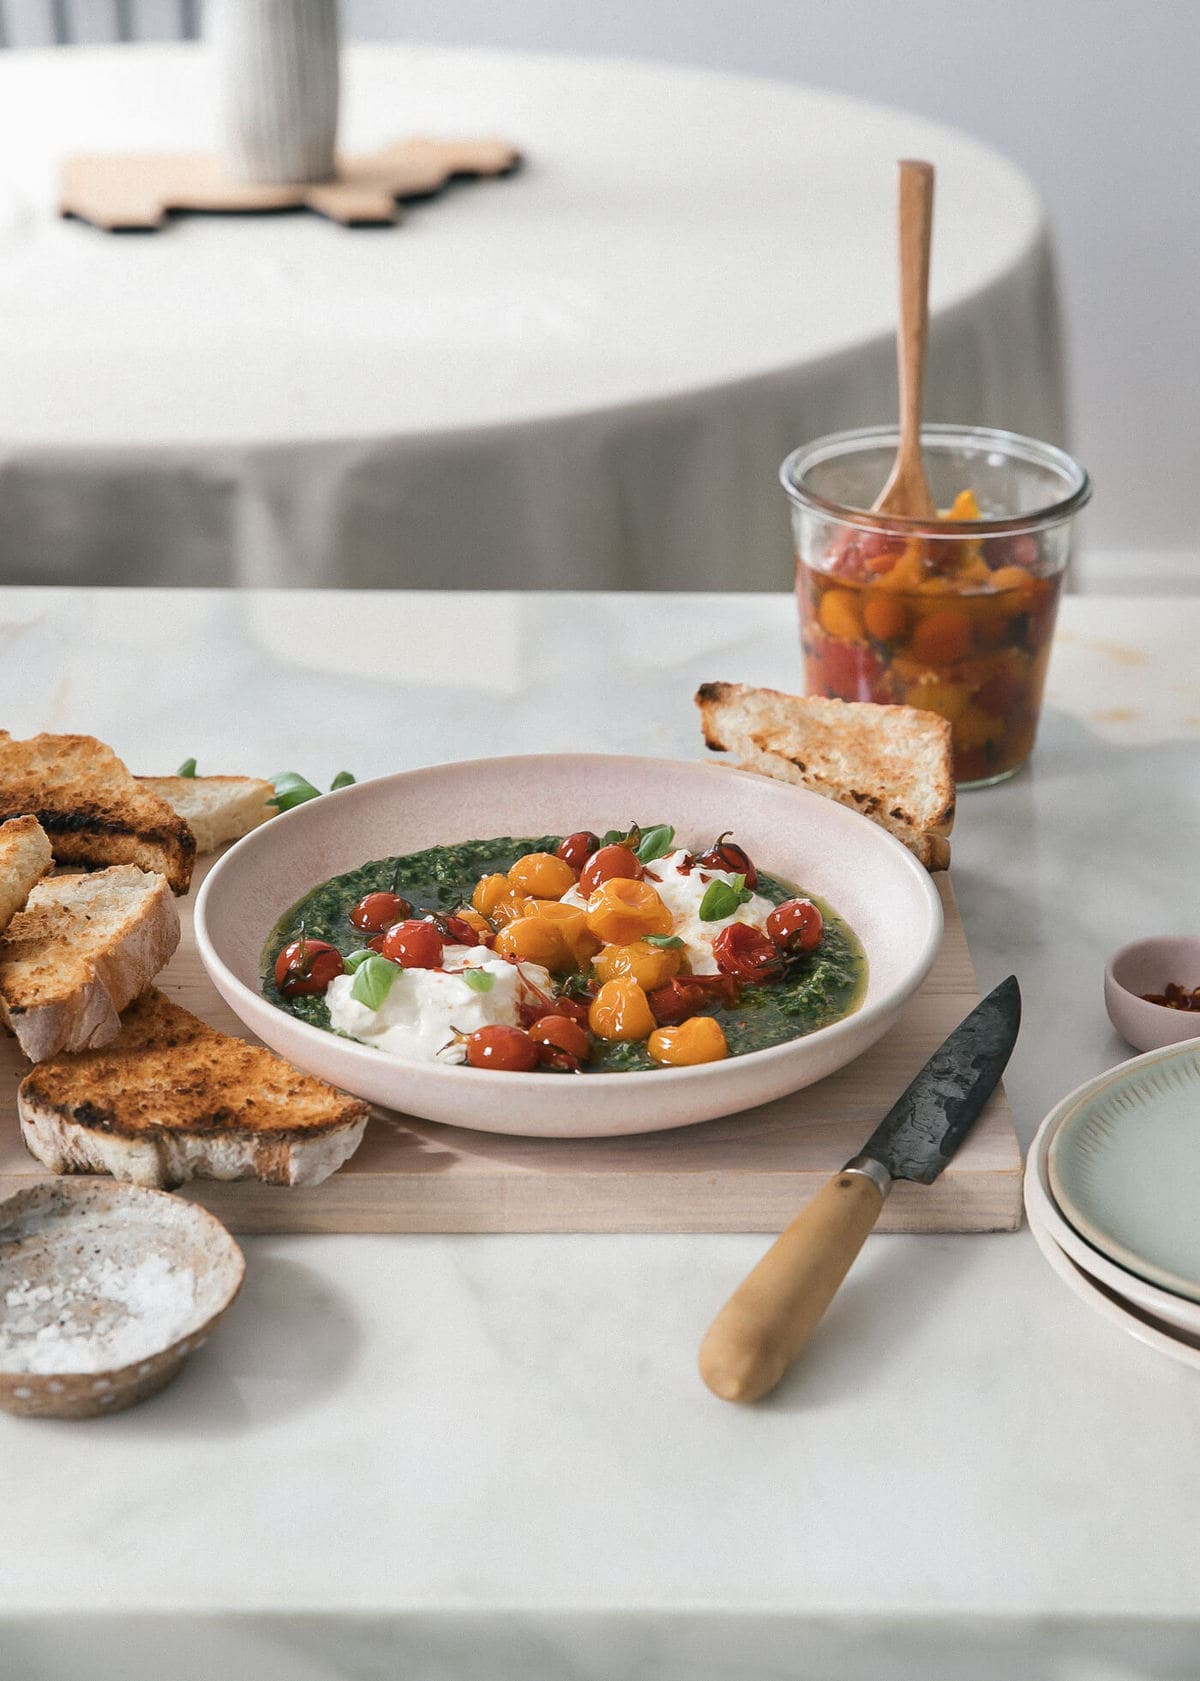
(105, 1289)
(1147, 966)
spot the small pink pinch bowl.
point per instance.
(880, 889)
(1146, 966)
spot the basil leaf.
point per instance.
(656, 843)
(355, 959)
(343, 779)
(292, 789)
(719, 901)
(479, 980)
(612, 836)
(187, 768)
(744, 894)
(668, 942)
(373, 980)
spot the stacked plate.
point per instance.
(1112, 1192)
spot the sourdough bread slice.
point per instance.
(172, 1099)
(215, 808)
(25, 857)
(82, 949)
(891, 763)
(92, 809)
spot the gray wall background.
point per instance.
(1098, 100)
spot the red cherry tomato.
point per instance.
(376, 911)
(457, 931)
(414, 945)
(682, 997)
(796, 925)
(609, 864)
(576, 849)
(560, 1033)
(724, 855)
(747, 955)
(509, 1049)
(307, 966)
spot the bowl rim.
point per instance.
(933, 433)
(632, 1079)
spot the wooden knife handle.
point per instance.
(765, 1323)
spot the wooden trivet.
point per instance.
(123, 192)
(749, 1172)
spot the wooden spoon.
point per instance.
(907, 492)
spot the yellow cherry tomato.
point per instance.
(964, 506)
(886, 617)
(571, 926)
(532, 940)
(840, 615)
(472, 918)
(648, 965)
(698, 1039)
(496, 898)
(542, 876)
(620, 911)
(620, 1011)
(943, 637)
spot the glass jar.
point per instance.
(955, 614)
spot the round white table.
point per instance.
(585, 374)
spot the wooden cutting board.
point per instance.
(745, 1173)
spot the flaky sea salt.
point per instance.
(99, 1318)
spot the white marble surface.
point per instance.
(491, 1457)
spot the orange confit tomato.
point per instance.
(621, 911)
(569, 920)
(540, 875)
(610, 863)
(496, 898)
(699, 1039)
(620, 1011)
(531, 939)
(650, 966)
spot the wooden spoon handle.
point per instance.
(765, 1323)
(916, 235)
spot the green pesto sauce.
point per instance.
(818, 989)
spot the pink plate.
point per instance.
(868, 877)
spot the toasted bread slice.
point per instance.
(215, 808)
(81, 950)
(93, 811)
(172, 1099)
(25, 857)
(891, 763)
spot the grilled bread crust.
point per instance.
(216, 808)
(94, 812)
(25, 857)
(173, 1099)
(891, 763)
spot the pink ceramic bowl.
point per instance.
(1146, 966)
(881, 890)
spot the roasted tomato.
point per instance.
(620, 911)
(698, 1039)
(576, 849)
(796, 925)
(560, 1038)
(650, 966)
(482, 932)
(686, 994)
(414, 945)
(609, 864)
(724, 855)
(540, 875)
(376, 911)
(747, 955)
(532, 939)
(509, 1049)
(620, 1011)
(569, 921)
(307, 966)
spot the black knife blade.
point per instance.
(928, 1122)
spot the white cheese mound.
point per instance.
(424, 1008)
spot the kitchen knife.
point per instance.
(764, 1324)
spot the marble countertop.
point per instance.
(492, 1455)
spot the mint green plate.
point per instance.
(1124, 1168)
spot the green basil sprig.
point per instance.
(292, 789)
(655, 843)
(187, 768)
(668, 942)
(355, 959)
(479, 980)
(722, 898)
(343, 779)
(373, 980)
